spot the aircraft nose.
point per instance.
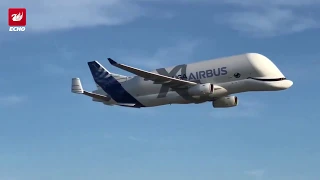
(287, 84)
(282, 85)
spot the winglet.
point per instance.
(76, 86)
(112, 62)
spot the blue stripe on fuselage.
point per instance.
(110, 85)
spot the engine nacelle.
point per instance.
(224, 102)
(201, 89)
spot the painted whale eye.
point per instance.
(237, 75)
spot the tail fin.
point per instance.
(98, 71)
(110, 84)
(118, 77)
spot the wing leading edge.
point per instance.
(157, 78)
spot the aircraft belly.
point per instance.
(170, 98)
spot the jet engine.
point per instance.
(201, 89)
(224, 102)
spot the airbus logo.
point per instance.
(203, 74)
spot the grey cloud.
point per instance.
(11, 100)
(260, 17)
(268, 3)
(267, 18)
(181, 50)
(60, 14)
(256, 174)
(270, 22)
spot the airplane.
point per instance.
(215, 81)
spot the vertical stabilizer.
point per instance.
(109, 82)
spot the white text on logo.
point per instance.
(17, 28)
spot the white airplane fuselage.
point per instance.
(228, 75)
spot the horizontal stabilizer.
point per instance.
(76, 86)
(97, 96)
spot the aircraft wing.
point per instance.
(157, 78)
